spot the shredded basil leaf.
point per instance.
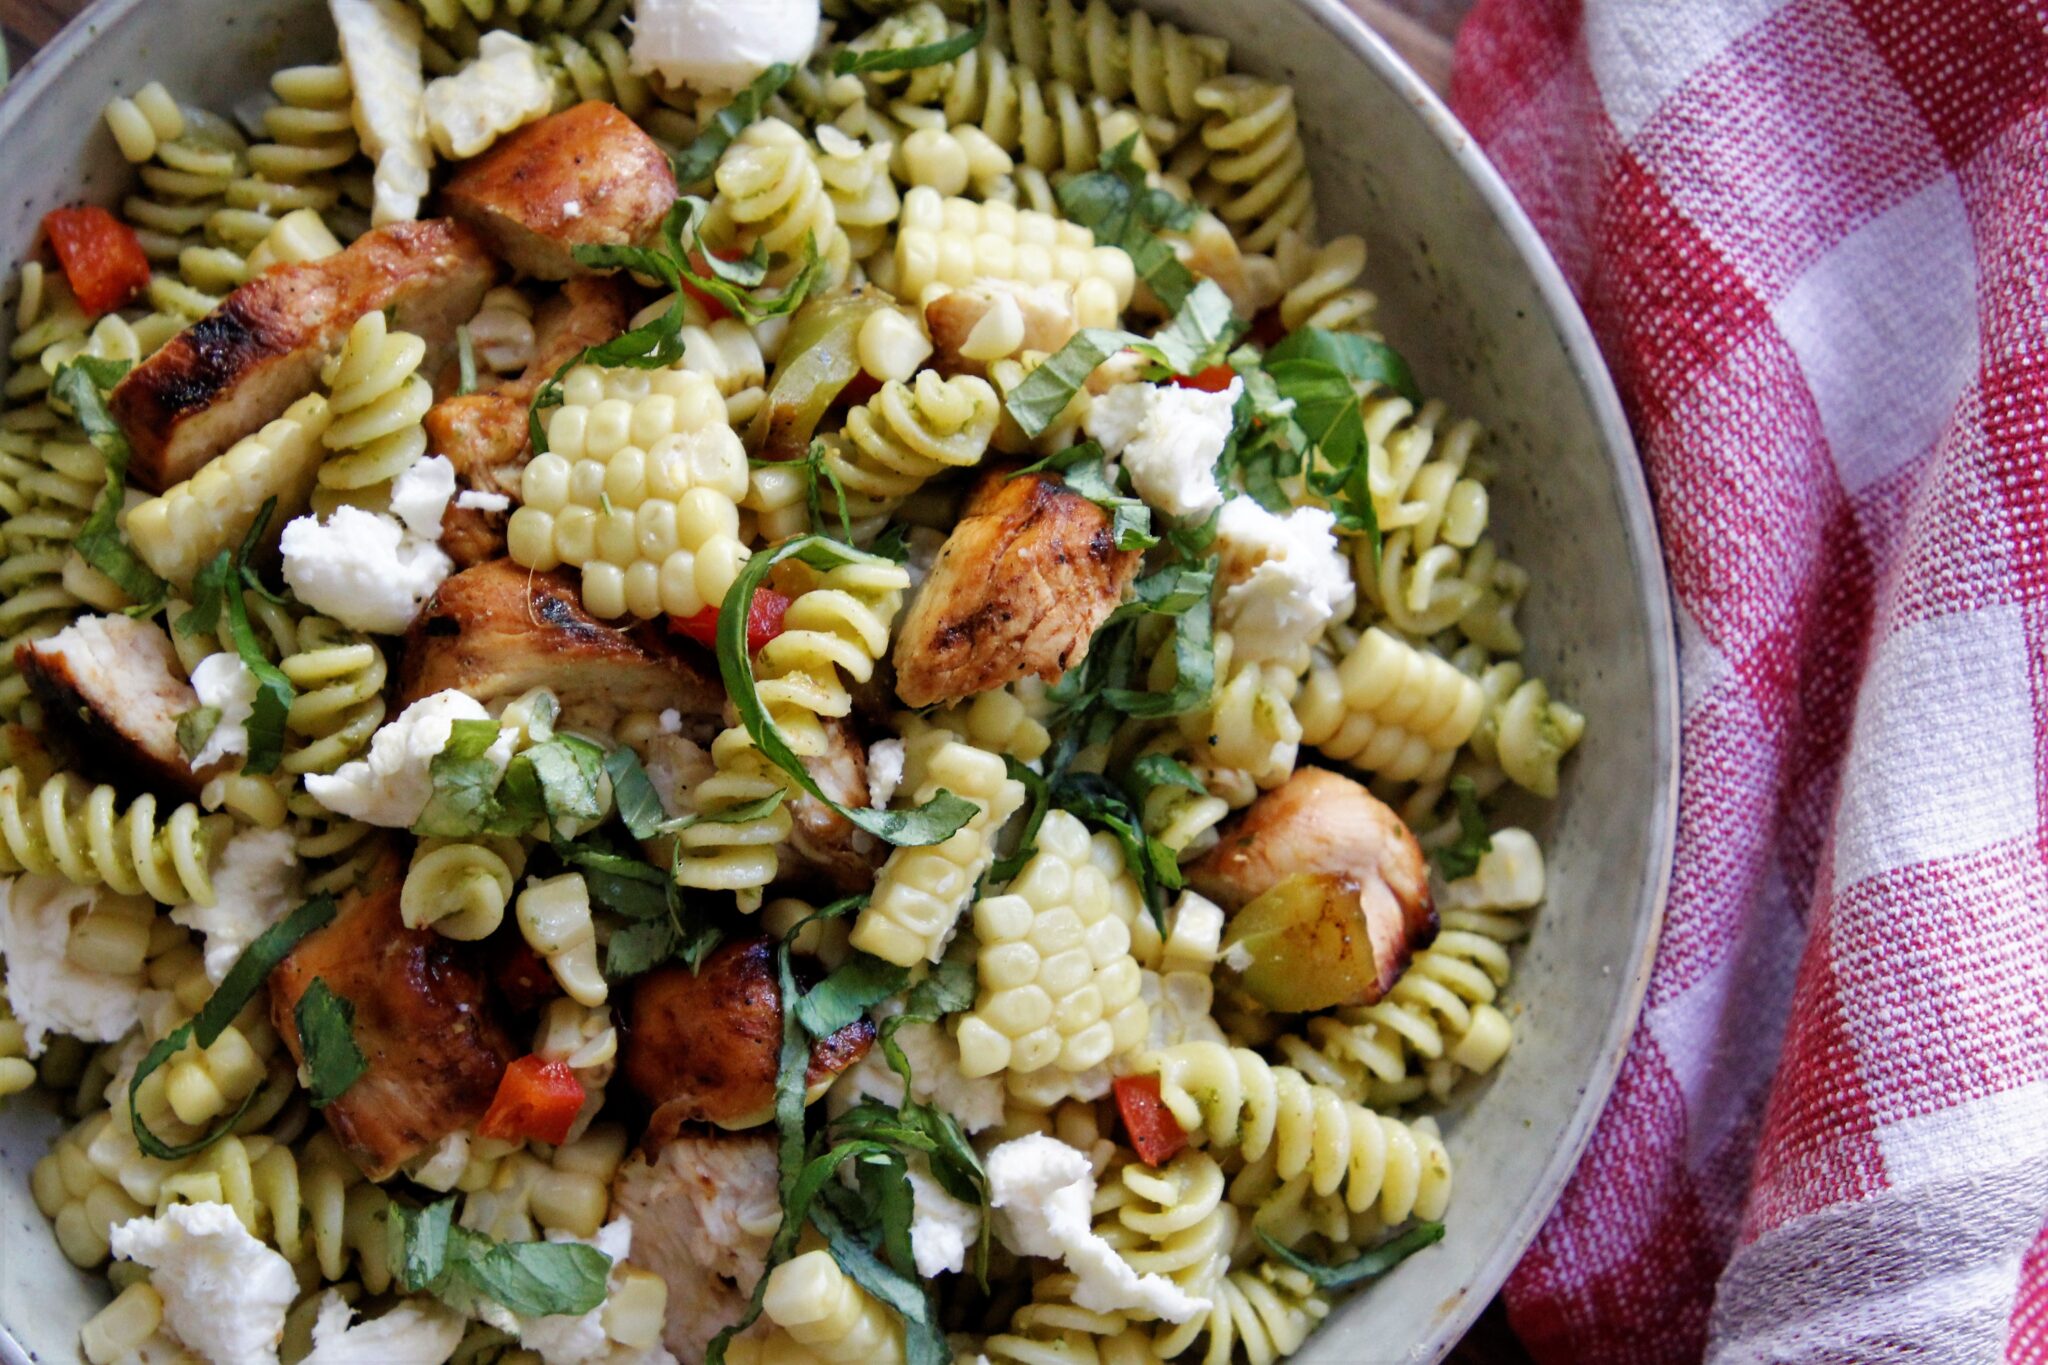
(1461, 858)
(633, 793)
(81, 385)
(930, 823)
(696, 161)
(433, 1254)
(1199, 329)
(1161, 770)
(852, 62)
(1038, 795)
(1085, 469)
(1369, 1266)
(229, 999)
(218, 586)
(1363, 359)
(326, 1024)
(1116, 205)
(853, 987)
(923, 1341)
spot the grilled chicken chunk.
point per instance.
(249, 359)
(990, 319)
(584, 177)
(497, 630)
(484, 434)
(1319, 822)
(113, 684)
(1019, 588)
(703, 1046)
(822, 842)
(435, 1051)
(704, 1211)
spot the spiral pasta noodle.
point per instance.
(1256, 175)
(770, 191)
(833, 633)
(906, 434)
(65, 826)
(376, 398)
(1154, 64)
(1240, 1101)
(1174, 1221)
(339, 678)
(1052, 1330)
(1389, 708)
(1523, 730)
(1046, 125)
(567, 1190)
(1250, 723)
(310, 136)
(1321, 283)
(460, 888)
(818, 1309)
(857, 181)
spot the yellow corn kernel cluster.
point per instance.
(953, 242)
(639, 489)
(1059, 986)
(822, 1316)
(211, 511)
(567, 1192)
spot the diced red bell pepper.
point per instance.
(1156, 1135)
(1215, 379)
(537, 1099)
(764, 621)
(102, 258)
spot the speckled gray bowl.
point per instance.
(1472, 298)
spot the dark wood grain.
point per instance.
(31, 23)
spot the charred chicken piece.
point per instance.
(703, 1046)
(435, 1050)
(249, 359)
(584, 177)
(497, 630)
(704, 1210)
(485, 434)
(113, 685)
(1019, 588)
(1323, 834)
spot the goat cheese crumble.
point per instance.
(1044, 1192)
(225, 683)
(392, 783)
(562, 1339)
(370, 570)
(417, 1329)
(721, 44)
(1169, 439)
(255, 885)
(47, 991)
(885, 771)
(941, 1227)
(1285, 577)
(225, 1293)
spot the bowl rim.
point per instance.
(1647, 568)
(1652, 583)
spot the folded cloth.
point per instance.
(1812, 238)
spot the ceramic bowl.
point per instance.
(1469, 294)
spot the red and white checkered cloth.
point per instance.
(1812, 238)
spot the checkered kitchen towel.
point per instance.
(1812, 238)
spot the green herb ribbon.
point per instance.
(81, 385)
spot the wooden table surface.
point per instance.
(1419, 29)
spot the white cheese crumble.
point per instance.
(255, 885)
(670, 722)
(225, 682)
(885, 771)
(474, 500)
(225, 1293)
(503, 87)
(1194, 934)
(380, 44)
(392, 784)
(721, 44)
(369, 570)
(1284, 578)
(1044, 1191)
(48, 992)
(1168, 438)
(1509, 876)
(1238, 958)
(418, 1329)
(941, 1227)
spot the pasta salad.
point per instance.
(693, 682)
